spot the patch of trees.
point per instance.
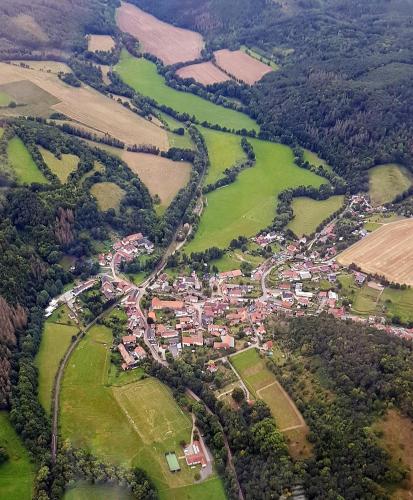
(70, 79)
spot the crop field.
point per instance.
(54, 67)
(169, 43)
(63, 167)
(309, 213)
(56, 339)
(17, 474)
(103, 43)
(388, 251)
(44, 93)
(264, 385)
(142, 76)
(387, 181)
(205, 73)
(224, 151)
(241, 66)
(22, 163)
(108, 195)
(248, 205)
(161, 176)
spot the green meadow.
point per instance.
(314, 160)
(61, 167)
(224, 151)
(86, 491)
(248, 205)
(22, 163)
(387, 181)
(5, 99)
(309, 213)
(108, 195)
(142, 76)
(17, 473)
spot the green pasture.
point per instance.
(314, 160)
(309, 213)
(61, 167)
(108, 195)
(387, 181)
(256, 55)
(180, 141)
(248, 205)
(398, 303)
(56, 339)
(22, 163)
(5, 99)
(224, 151)
(86, 491)
(233, 259)
(17, 474)
(142, 76)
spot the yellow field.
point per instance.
(84, 105)
(161, 176)
(388, 251)
(62, 168)
(108, 195)
(104, 43)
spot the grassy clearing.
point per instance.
(143, 77)
(23, 164)
(256, 55)
(314, 160)
(398, 303)
(108, 195)
(180, 141)
(85, 491)
(17, 474)
(62, 168)
(248, 205)
(309, 213)
(56, 339)
(232, 260)
(387, 181)
(5, 99)
(224, 150)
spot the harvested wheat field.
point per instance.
(103, 43)
(47, 66)
(84, 105)
(205, 73)
(168, 43)
(388, 251)
(241, 66)
(161, 176)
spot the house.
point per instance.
(305, 275)
(139, 353)
(174, 305)
(128, 361)
(195, 455)
(228, 342)
(230, 274)
(193, 340)
(129, 340)
(267, 346)
(217, 330)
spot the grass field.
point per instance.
(85, 491)
(314, 160)
(309, 213)
(142, 75)
(17, 474)
(180, 141)
(134, 423)
(56, 339)
(23, 164)
(248, 205)
(5, 99)
(233, 259)
(224, 150)
(62, 168)
(108, 195)
(387, 181)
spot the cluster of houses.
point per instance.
(126, 250)
(131, 352)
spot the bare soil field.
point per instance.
(161, 176)
(104, 43)
(84, 105)
(46, 66)
(388, 251)
(168, 43)
(241, 66)
(205, 73)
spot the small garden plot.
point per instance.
(387, 181)
(23, 164)
(100, 43)
(61, 167)
(108, 195)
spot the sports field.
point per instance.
(388, 251)
(248, 205)
(61, 167)
(387, 181)
(108, 195)
(309, 213)
(142, 76)
(23, 164)
(17, 474)
(224, 151)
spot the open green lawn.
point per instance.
(17, 474)
(309, 213)
(248, 205)
(180, 141)
(108, 195)
(398, 303)
(23, 164)
(142, 76)
(63, 167)
(387, 181)
(5, 99)
(85, 491)
(224, 151)
(56, 339)
(133, 423)
(314, 160)
(233, 259)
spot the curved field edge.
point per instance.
(387, 181)
(249, 204)
(143, 77)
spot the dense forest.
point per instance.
(343, 87)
